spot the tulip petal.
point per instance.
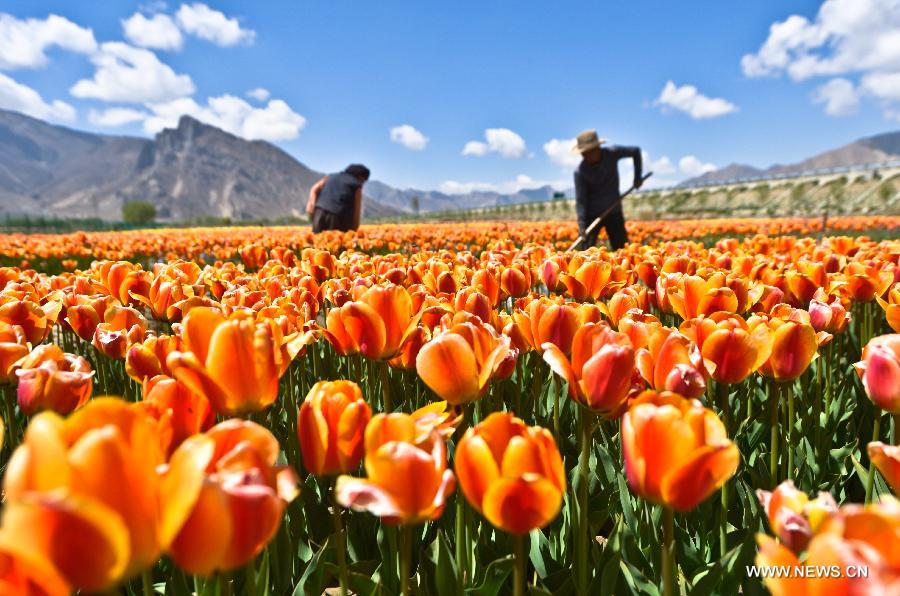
(692, 481)
(519, 505)
(85, 540)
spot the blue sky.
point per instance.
(339, 76)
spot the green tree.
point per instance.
(138, 212)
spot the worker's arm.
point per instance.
(314, 195)
(357, 208)
(635, 154)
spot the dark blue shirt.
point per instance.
(597, 184)
(338, 196)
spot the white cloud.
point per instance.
(839, 96)
(691, 166)
(689, 100)
(259, 94)
(23, 42)
(274, 122)
(409, 137)
(475, 148)
(113, 117)
(131, 75)
(885, 85)
(560, 152)
(846, 37)
(18, 97)
(661, 167)
(521, 182)
(202, 21)
(158, 32)
(498, 140)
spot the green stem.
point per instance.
(387, 405)
(668, 552)
(250, 574)
(554, 387)
(147, 582)
(405, 555)
(829, 350)
(895, 433)
(340, 539)
(790, 431)
(724, 406)
(870, 478)
(519, 572)
(773, 428)
(583, 531)
(9, 401)
(460, 553)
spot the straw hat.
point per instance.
(586, 141)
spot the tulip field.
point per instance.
(453, 410)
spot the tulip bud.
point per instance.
(331, 425)
(58, 382)
(880, 372)
(691, 457)
(511, 473)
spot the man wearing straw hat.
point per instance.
(597, 187)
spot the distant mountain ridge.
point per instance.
(874, 149)
(191, 171)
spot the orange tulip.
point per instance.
(376, 325)
(857, 537)
(592, 280)
(794, 346)
(676, 451)
(891, 306)
(232, 360)
(600, 370)
(242, 500)
(35, 320)
(731, 350)
(121, 327)
(510, 472)
(626, 300)
(13, 347)
(408, 480)
(187, 412)
(864, 282)
(792, 516)
(50, 379)
(147, 359)
(887, 459)
(692, 296)
(879, 370)
(458, 363)
(92, 493)
(27, 573)
(331, 425)
(830, 317)
(545, 321)
(671, 362)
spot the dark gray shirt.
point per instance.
(597, 184)
(338, 196)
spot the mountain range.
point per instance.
(196, 170)
(874, 149)
(191, 171)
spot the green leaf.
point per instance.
(494, 577)
(311, 581)
(447, 575)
